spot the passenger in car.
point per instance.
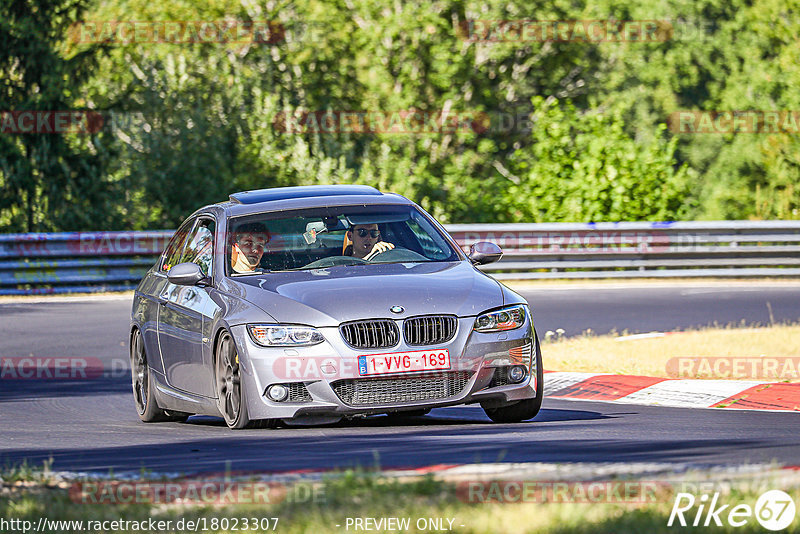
(366, 242)
(248, 247)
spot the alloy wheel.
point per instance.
(229, 387)
(139, 373)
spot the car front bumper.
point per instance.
(325, 381)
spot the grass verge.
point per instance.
(427, 503)
(662, 355)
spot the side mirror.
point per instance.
(484, 252)
(186, 274)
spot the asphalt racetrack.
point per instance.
(91, 425)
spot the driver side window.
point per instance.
(175, 248)
(200, 247)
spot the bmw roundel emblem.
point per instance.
(397, 309)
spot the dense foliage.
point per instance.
(557, 131)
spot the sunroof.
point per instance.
(306, 191)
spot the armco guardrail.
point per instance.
(109, 261)
(636, 249)
(76, 262)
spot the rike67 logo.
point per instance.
(774, 510)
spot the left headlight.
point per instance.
(503, 319)
(281, 335)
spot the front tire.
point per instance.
(524, 409)
(141, 378)
(231, 394)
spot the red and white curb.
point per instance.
(737, 394)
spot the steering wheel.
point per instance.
(397, 254)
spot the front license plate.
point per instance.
(404, 362)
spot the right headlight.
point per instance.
(503, 319)
(283, 335)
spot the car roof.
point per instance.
(309, 196)
(308, 191)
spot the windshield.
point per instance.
(326, 237)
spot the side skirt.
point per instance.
(169, 398)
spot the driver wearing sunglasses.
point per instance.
(367, 243)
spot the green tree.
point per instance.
(55, 180)
(198, 121)
(583, 167)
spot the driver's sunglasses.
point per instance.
(362, 232)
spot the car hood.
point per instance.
(327, 297)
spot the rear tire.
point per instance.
(143, 396)
(524, 409)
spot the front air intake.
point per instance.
(393, 391)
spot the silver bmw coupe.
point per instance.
(311, 304)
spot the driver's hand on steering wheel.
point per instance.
(380, 246)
